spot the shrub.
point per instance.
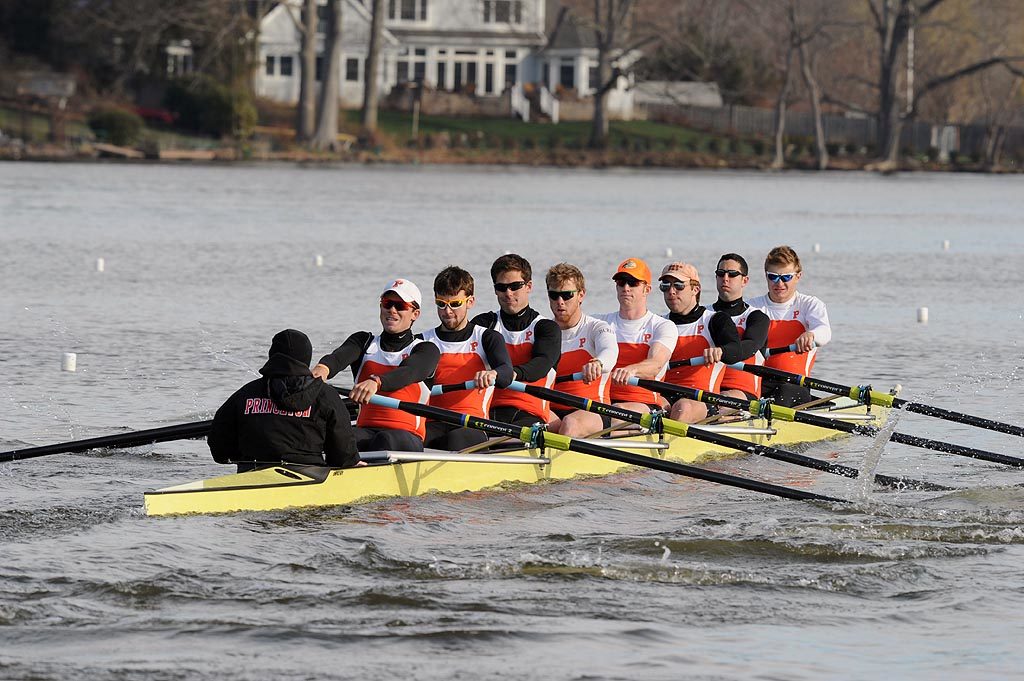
(851, 148)
(116, 126)
(833, 149)
(210, 108)
(714, 145)
(734, 146)
(759, 147)
(693, 144)
(933, 154)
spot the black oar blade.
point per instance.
(136, 438)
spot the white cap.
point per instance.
(406, 290)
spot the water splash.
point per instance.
(873, 454)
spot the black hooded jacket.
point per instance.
(286, 415)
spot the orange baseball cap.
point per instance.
(634, 267)
(683, 271)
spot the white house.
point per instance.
(479, 47)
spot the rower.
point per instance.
(751, 323)
(795, 319)
(284, 416)
(468, 353)
(588, 347)
(533, 342)
(394, 363)
(645, 340)
(702, 333)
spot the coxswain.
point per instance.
(285, 416)
(394, 363)
(588, 347)
(468, 353)
(731, 277)
(533, 341)
(795, 319)
(702, 333)
(645, 340)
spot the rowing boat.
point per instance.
(404, 474)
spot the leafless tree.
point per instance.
(371, 89)
(326, 135)
(306, 25)
(893, 23)
(124, 38)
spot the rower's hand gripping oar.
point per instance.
(881, 399)
(136, 438)
(681, 429)
(537, 436)
(699, 361)
(769, 410)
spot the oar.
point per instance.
(680, 429)
(864, 394)
(698, 361)
(136, 438)
(769, 410)
(546, 439)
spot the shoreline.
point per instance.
(539, 158)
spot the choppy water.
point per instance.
(638, 576)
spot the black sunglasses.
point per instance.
(677, 285)
(564, 295)
(731, 273)
(514, 286)
(628, 281)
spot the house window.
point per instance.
(352, 69)
(567, 74)
(271, 63)
(440, 75)
(471, 73)
(594, 78)
(419, 71)
(510, 74)
(401, 71)
(489, 78)
(322, 17)
(286, 66)
(503, 11)
(407, 10)
(319, 68)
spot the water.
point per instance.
(641, 575)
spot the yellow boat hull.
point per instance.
(295, 486)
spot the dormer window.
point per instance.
(407, 10)
(503, 11)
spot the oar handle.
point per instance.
(451, 388)
(699, 361)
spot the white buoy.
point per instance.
(318, 260)
(100, 266)
(69, 362)
(922, 315)
(668, 252)
(945, 244)
(817, 248)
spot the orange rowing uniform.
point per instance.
(377, 361)
(460, 361)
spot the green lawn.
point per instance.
(634, 135)
(38, 126)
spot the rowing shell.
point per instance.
(406, 474)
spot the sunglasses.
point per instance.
(514, 286)
(453, 304)
(624, 281)
(677, 285)
(775, 276)
(564, 295)
(392, 304)
(732, 274)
